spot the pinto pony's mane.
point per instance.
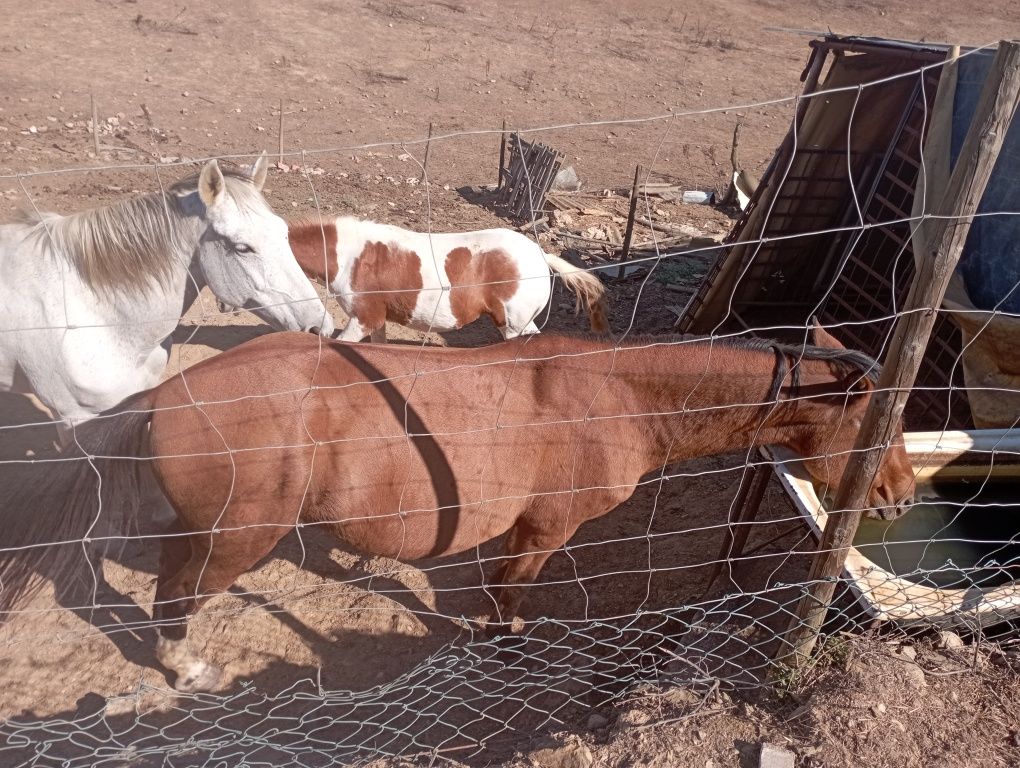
(133, 243)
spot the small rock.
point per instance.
(596, 721)
(630, 718)
(776, 757)
(878, 709)
(575, 755)
(950, 641)
(908, 652)
(683, 697)
(914, 675)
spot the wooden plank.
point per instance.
(998, 103)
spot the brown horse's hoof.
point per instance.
(497, 630)
(199, 678)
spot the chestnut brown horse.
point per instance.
(410, 452)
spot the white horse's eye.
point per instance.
(243, 248)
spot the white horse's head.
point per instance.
(244, 254)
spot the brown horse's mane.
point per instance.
(847, 362)
(849, 359)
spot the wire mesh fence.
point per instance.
(664, 493)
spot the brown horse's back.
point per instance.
(409, 452)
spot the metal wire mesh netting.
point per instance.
(334, 657)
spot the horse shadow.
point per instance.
(219, 337)
(128, 625)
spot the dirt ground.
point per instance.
(359, 83)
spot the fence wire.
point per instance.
(333, 657)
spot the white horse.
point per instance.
(436, 282)
(88, 301)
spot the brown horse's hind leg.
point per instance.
(193, 569)
(529, 544)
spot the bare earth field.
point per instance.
(359, 83)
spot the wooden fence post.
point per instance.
(996, 107)
(628, 235)
(279, 135)
(95, 124)
(502, 156)
(425, 162)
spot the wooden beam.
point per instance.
(996, 107)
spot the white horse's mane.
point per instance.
(131, 244)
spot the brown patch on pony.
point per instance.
(314, 246)
(386, 281)
(480, 284)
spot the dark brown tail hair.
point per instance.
(84, 502)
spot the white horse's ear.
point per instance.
(211, 185)
(258, 171)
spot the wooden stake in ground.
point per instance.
(95, 124)
(425, 162)
(996, 107)
(628, 234)
(279, 159)
(502, 156)
(730, 198)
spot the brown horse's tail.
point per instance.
(588, 289)
(86, 496)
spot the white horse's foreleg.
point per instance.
(379, 335)
(65, 435)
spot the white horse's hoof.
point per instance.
(200, 678)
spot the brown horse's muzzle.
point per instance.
(888, 507)
(887, 513)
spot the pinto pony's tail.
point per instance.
(588, 289)
(51, 525)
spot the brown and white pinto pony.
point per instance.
(436, 282)
(415, 452)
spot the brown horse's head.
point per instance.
(830, 446)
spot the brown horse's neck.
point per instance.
(314, 246)
(710, 399)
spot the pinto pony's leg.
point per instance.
(354, 331)
(192, 569)
(512, 333)
(379, 335)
